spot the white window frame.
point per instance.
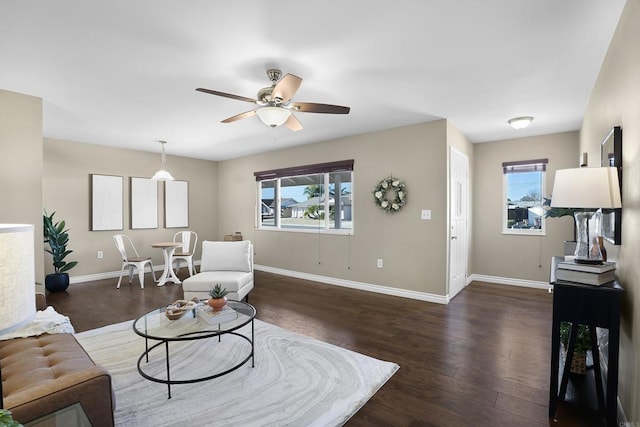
(294, 172)
(537, 165)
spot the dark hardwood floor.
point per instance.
(483, 359)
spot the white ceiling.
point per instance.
(123, 72)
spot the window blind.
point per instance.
(338, 166)
(536, 165)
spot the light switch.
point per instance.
(426, 214)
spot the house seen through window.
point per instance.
(524, 183)
(307, 198)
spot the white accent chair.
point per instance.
(227, 263)
(122, 243)
(189, 240)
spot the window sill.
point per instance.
(523, 232)
(344, 232)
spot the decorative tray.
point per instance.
(178, 308)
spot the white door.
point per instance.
(458, 213)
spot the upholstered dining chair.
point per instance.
(127, 249)
(189, 239)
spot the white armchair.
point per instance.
(227, 263)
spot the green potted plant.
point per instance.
(218, 297)
(583, 344)
(57, 237)
(6, 419)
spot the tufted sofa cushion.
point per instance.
(49, 372)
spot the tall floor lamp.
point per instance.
(589, 189)
(17, 279)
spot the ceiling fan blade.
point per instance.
(293, 124)
(286, 88)
(311, 107)
(227, 95)
(240, 116)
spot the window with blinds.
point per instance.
(315, 198)
(523, 190)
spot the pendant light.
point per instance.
(162, 174)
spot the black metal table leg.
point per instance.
(166, 346)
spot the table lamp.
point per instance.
(590, 189)
(17, 278)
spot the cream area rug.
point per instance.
(296, 381)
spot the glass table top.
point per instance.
(191, 325)
(71, 416)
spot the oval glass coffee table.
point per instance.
(155, 326)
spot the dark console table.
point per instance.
(594, 306)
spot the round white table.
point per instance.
(168, 275)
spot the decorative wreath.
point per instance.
(390, 194)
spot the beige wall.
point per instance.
(413, 250)
(615, 102)
(456, 139)
(21, 166)
(66, 190)
(511, 256)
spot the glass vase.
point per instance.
(588, 228)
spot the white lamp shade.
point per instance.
(273, 116)
(17, 276)
(586, 188)
(162, 175)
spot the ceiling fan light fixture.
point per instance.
(162, 174)
(520, 122)
(273, 116)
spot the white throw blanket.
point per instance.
(46, 321)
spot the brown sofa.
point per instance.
(43, 374)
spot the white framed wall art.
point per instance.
(176, 204)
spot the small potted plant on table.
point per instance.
(218, 297)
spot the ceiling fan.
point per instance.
(275, 105)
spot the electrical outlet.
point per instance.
(379, 263)
(100, 255)
(426, 214)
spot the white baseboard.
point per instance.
(112, 274)
(509, 281)
(387, 290)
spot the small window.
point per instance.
(523, 186)
(307, 198)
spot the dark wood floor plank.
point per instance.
(483, 359)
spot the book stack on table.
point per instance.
(226, 314)
(588, 274)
